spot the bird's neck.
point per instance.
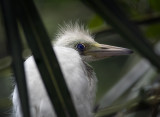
(89, 70)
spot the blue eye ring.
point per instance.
(80, 47)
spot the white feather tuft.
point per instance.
(72, 27)
(72, 33)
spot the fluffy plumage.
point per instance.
(82, 87)
(74, 47)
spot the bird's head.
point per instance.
(78, 38)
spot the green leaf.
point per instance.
(155, 4)
(95, 22)
(15, 47)
(152, 31)
(45, 58)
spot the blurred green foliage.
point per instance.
(155, 4)
(152, 31)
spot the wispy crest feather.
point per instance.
(72, 28)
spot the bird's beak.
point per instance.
(100, 51)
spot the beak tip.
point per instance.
(130, 51)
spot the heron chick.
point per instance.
(74, 48)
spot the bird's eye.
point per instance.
(80, 47)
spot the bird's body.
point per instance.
(74, 76)
(74, 48)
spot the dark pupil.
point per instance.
(80, 47)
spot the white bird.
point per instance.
(74, 47)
